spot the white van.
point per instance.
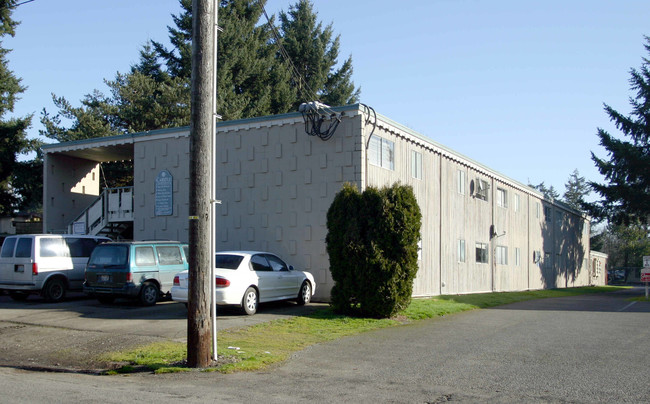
(47, 263)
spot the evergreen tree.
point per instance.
(576, 189)
(13, 136)
(626, 195)
(625, 245)
(549, 192)
(314, 55)
(253, 79)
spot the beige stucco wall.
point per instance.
(276, 184)
(70, 184)
(169, 152)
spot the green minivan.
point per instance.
(142, 270)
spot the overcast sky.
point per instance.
(516, 85)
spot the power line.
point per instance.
(24, 2)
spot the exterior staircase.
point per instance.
(110, 215)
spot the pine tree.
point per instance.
(549, 192)
(314, 55)
(626, 195)
(13, 136)
(576, 189)
(253, 79)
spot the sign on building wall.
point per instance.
(79, 228)
(164, 194)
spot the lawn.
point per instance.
(258, 346)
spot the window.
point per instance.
(24, 247)
(516, 202)
(461, 182)
(381, 152)
(8, 248)
(547, 214)
(53, 247)
(144, 256)
(461, 250)
(416, 164)
(502, 198)
(517, 256)
(501, 255)
(81, 247)
(481, 253)
(482, 188)
(276, 263)
(169, 255)
(547, 261)
(259, 263)
(537, 210)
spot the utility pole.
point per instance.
(201, 230)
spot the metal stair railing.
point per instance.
(112, 205)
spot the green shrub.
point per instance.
(372, 242)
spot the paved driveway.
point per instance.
(70, 334)
(581, 349)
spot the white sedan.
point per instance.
(247, 278)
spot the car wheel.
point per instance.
(149, 294)
(250, 301)
(106, 299)
(304, 296)
(18, 296)
(54, 290)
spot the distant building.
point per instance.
(481, 231)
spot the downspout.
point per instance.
(440, 224)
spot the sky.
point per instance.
(518, 86)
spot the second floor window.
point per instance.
(381, 153)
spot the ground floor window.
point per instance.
(461, 250)
(482, 253)
(501, 255)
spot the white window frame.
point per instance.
(460, 187)
(516, 202)
(502, 197)
(482, 252)
(517, 256)
(416, 164)
(462, 251)
(501, 255)
(381, 153)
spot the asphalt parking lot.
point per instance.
(70, 335)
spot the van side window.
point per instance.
(54, 247)
(81, 247)
(144, 256)
(169, 255)
(259, 263)
(8, 247)
(24, 248)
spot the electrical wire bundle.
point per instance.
(315, 120)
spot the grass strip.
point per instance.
(261, 345)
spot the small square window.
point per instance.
(482, 253)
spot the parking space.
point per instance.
(37, 333)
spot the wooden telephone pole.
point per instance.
(201, 228)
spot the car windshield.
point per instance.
(227, 261)
(109, 255)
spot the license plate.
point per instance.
(103, 278)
